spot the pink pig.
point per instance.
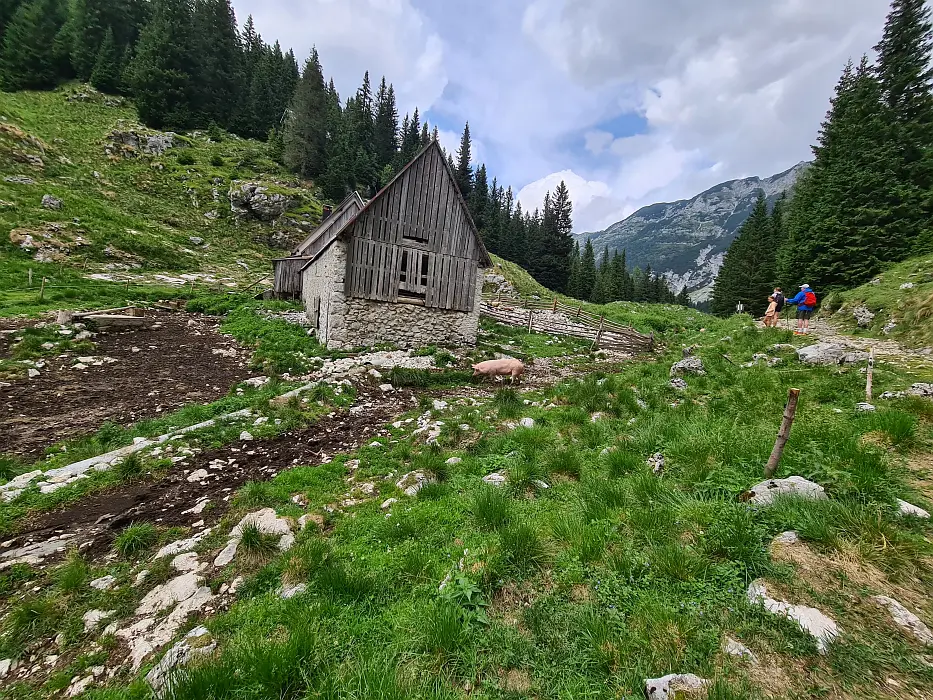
(494, 368)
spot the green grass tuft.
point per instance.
(135, 539)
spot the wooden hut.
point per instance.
(287, 271)
(406, 269)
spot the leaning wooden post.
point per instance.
(529, 318)
(790, 409)
(29, 274)
(42, 290)
(599, 334)
(554, 304)
(870, 374)
(579, 310)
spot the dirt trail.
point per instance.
(182, 360)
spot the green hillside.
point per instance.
(902, 294)
(125, 212)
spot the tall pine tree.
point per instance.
(309, 122)
(106, 74)
(464, 156)
(29, 58)
(747, 273)
(220, 62)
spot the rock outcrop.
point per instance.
(258, 201)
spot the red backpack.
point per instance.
(809, 298)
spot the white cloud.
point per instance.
(385, 37)
(583, 192)
(597, 141)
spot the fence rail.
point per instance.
(557, 318)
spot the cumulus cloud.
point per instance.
(727, 89)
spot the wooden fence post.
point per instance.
(869, 374)
(554, 305)
(29, 273)
(42, 290)
(579, 310)
(599, 334)
(529, 319)
(790, 410)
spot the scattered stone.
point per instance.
(92, 618)
(829, 354)
(19, 180)
(452, 461)
(656, 462)
(496, 479)
(386, 388)
(670, 686)
(735, 648)
(267, 522)
(906, 508)
(413, 482)
(689, 365)
(527, 422)
(678, 384)
(196, 240)
(764, 493)
(823, 628)
(79, 686)
(318, 520)
(300, 500)
(198, 642)
(50, 202)
(787, 537)
(256, 382)
(32, 373)
(783, 347)
(199, 475)
(889, 326)
(179, 546)
(388, 503)
(104, 583)
(907, 285)
(168, 594)
(187, 562)
(922, 390)
(6, 665)
(245, 436)
(439, 405)
(906, 619)
(291, 591)
(864, 407)
(863, 317)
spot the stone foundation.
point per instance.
(345, 323)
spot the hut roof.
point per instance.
(334, 224)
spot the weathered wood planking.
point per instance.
(287, 276)
(418, 225)
(331, 227)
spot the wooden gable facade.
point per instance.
(286, 272)
(415, 241)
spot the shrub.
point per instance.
(136, 538)
(185, 157)
(217, 160)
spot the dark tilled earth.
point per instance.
(173, 364)
(98, 518)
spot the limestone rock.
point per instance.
(764, 493)
(413, 482)
(104, 583)
(246, 436)
(678, 384)
(907, 285)
(922, 390)
(739, 650)
(92, 618)
(254, 200)
(527, 422)
(863, 317)
(688, 365)
(656, 462)
(453, 461)
(830, 354)
(198, 475)
(198, 642)
(864, 407)
(179, 546)
(906, 508)
(19, 180)
(667, 687)
(820, 626)
(51, 202)
(496, 479)
(788, 537)
(79, 686)
(196, 240)
(287, 592)
(388, 503)
(187, 562)
(173, 591)
(439, 405)
(906, 619)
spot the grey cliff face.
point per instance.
(687, 240)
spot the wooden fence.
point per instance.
(557, 318)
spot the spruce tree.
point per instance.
(159, 75)
(308, 125)
(683, 298)
(747, 273)
(587, 272)
(385, 129)
(220, 64)
(29, 58)
(464, 156)
(106, 74)
(479, 199)
(906, 82)
(7, 10)
(573, 278)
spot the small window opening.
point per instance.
(424, 270)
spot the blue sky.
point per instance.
(629, 101)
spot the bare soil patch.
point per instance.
(98, 518)
(157, 370)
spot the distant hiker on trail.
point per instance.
(805, 301)
(771, 317)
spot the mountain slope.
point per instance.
(687, 239)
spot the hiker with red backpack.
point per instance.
(805, 301)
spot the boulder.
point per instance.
(864, 407)
(251, 199)
(678, 384)
(688, 365)
(656, 462)
(198, 642)
(104, 583)
(94, 617)
(496, 479)
(906, 619)
(820, 626)
(670, 686)
(19, 180)
(830, 354)
(863, 317)
(907, 285)
(50, 202)
(527, 422)
(764, 493)
(787, 537)
(413, 482)
(905, 508)
(130, 143)
(738, 650)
